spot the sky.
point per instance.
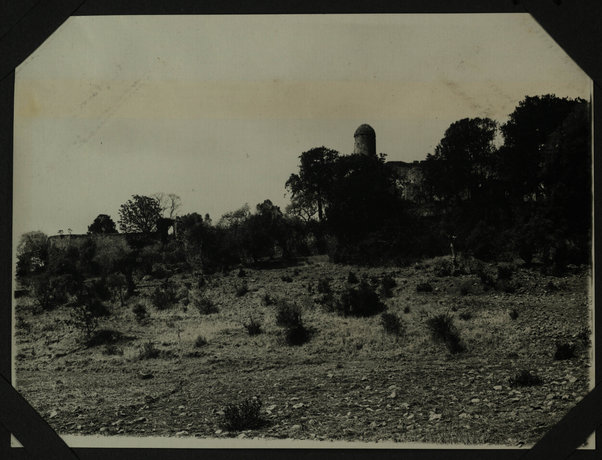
(217, 109)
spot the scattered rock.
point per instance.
(53, 414)
(298, 405)
(182, 433)
(475, 400)
(497, 387)
(296, 427)
(393, 395)
(434, 417)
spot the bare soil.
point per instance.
(351, 381)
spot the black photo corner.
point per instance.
(25, 25)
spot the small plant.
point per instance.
(564, 351)
(525, 378)
(86, 312)
(352, 278)
(288, 314)
(387, 284)
(111, 349)
(286, 279)
(117, 284)
(443, 330)
(443, 267)
(183, 296)
(204, 304)
(465, 315)
(104, 337)
(465, 288)
(324, 286)
(424, 287)
(267, 300)
(505, 271)
(164, 296)
(149, 351)
(362, 301)
(141, 313)
(296, 335)
(583, 336)
(392, 324)
(242, 289)
(200, 341)
(406, 309)
(513, 314)
(243, 416)
(241, 272)
(253, 327)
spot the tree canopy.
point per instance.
(139, 214)
(102, 224)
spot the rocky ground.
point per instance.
(350, 381)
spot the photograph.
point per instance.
(302, 230)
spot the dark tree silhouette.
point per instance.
(310, 187)
(102, 224)
(139, 214)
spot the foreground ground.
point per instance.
(351, 381)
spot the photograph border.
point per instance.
(26, 24)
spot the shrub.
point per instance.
(487, 276)
(513, 314)
(140, 312)
(387, 284)
(443, 330)
(149, 351)
(406, 309)
(505, 271)
(117, 284)
(241, 272)
(525, 378)
(296, 335)
(111, 349)
(564, 351)
(465, 287)
(104, 337)
(288, 314)
(204, 304)
(200, 341)
(392, 324)
(253, 327)
(352, 278)
(50, 292)
(465, 315)
(159, 271)
(267, 300)
(242, 289)
(243, 416)
(164, 296)
(424, 287)
(183, 296)
(324, 286)
(286, 279)
(85, 313)
(443, 267)
(361, 301)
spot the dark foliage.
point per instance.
(164, 296)
(102, 224)
(352, 278)
(513, 314)
(361, 301)
(200, 341)
(443, 330)
(387, 284)
(392, 324)
(245, 415)
(564, 351)
(288, 314)
(141, 313)
(253, 327)
(525, 378)
(424, 287)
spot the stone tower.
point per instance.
(365, 140)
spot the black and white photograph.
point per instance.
(335, 230)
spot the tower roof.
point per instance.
(363, 130)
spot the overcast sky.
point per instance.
(217, 109)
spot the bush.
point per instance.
(253, 327)
(296, 335)
(204, 304)
(140, 312)
(513, 314)
(111, 349)
(564, 351)
(443, 330)
(505, 271)
(392, 324)
(164, 296)
(85, 313)
(149, 351)
(406, 309)
(524, 378)
(243, 416)
(242, 289)
(267, 300)
(183, 296)
(286, 279)
(117, 284)
(465, 315)
(288, 314)
(424, 287)
(51, 292)
(200, 341)
(241, 272)
(443, 266)
(362, 301)
(387, 284)
(324, 286)
(465, 288)
(104, 337)
(352, 278)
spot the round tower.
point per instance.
(365, 140)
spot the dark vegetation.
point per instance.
(245, 415)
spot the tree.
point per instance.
(32, 253)
(139, 214)
(525, 136)
(464, 160)
(102, 224)
(170, 204)
(310, 187)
